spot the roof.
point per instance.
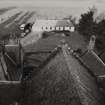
(102, 56)
(53, 22)
(34, 59)
(94, 63)
(64, 80)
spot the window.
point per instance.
(57, 28)
(72, 29)
(46, 28)
(66, 28)
(61, 28)
(50, 28)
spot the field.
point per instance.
(10, 20)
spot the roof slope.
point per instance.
(63, 81)
(94, 63)
(102, 56)
(53, 22)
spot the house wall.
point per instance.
(52, 25)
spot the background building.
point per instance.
(53, 25)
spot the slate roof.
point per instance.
(53, 22)
(102, 56)
(64, 80)
(94, 63)
(61, 80)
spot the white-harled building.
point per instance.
(53, 25)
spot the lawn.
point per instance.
(47, 44)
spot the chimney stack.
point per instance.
(92, 43)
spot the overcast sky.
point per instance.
(61, 3)
(79, 4)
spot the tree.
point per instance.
(100, 32)
(86, 24)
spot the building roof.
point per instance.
(94, 63)
(64, 80)
(102, 56)
(53, 22)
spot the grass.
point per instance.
(22, 19)
(3, 10)
(29, 15)
(49, 43)
(4, 32)
(13, 28)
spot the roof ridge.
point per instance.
(48, 59)
(10, 82)
(98, 58)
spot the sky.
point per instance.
(55, 3)
(78, 5)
